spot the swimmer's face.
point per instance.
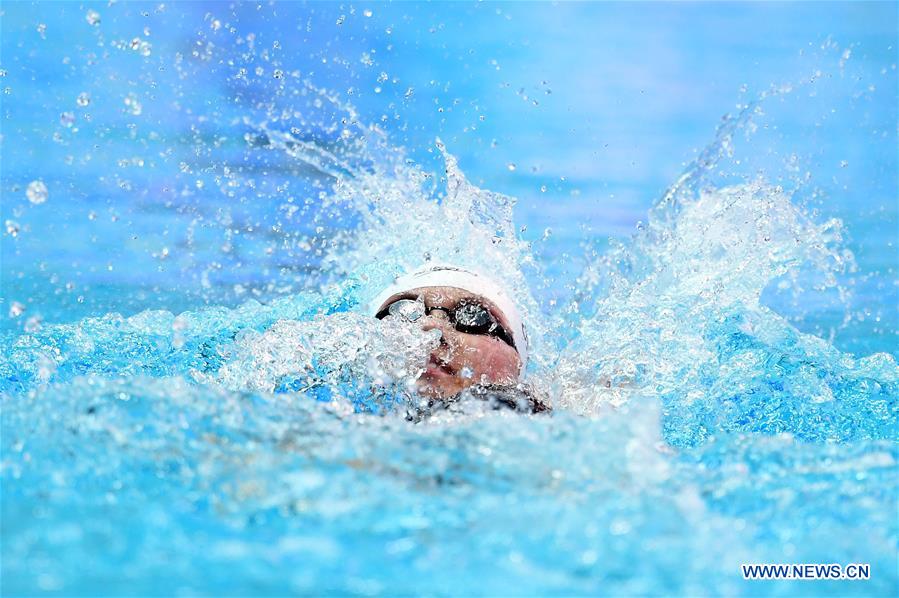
(461, 359)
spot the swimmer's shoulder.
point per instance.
(519, 398)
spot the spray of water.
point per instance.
(718, 421)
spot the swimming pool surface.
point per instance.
(696, 206)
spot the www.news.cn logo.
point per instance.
(806, 571)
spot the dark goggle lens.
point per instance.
(470, 318)
(473, 319)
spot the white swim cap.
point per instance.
(444, 275)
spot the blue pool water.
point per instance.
(696, 206)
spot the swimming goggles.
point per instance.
(468, 317)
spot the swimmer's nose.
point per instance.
(449, 341)
(437, 320)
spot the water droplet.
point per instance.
(409, 92)
(141, 46)
(620, 527)
(511, 166)
(16, 309)
(542, 188)
(466, 373)
(340, 20)
(134, 106)
(42, 29)
(37, 192)
(367, 12)
(278, 74)
(843, 163)
(92, 17)
(67, 119)
(12, 228)
(33, 324)
(83, 99)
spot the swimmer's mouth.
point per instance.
(436, 365)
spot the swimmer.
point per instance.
(483, 347)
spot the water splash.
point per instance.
(343, 357)
(256, 422)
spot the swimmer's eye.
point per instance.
(467, 317)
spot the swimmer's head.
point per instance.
(482, 337)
